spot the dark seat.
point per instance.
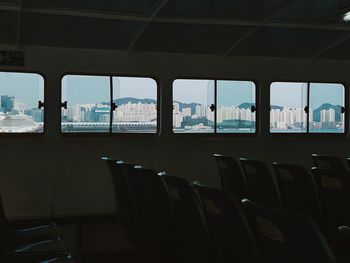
(298, 191)
(328, 161)
(334, 188)
(261, 185)
(25, 227)
(165, 236)
(121, 190)
(232, 236)
(54, 257)
(232, 177)
(348, 161)
(26, 237)
(286, 236)
(196, 243)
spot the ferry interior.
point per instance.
(174, 131)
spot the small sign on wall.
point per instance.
(14, 58)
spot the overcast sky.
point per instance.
(28, 89)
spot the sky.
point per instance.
(28, 88)
(78, 89)
(294, 95)
(228, 92)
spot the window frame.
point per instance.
(111, 75)
(216, 134)
(308, 133)
(29, 134)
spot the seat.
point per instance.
(232, 236)
(25, 227)
(298, 191)
(287, 236)
(196, 243)
(328, 161)
(54, 257)
(166, 238)
(348, 161)
(261, 185)
(23, 237)
(334, 188)
(121, 190)
(232, 177)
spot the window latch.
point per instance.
(306, 109)
(40, 104)
(342, 109)
(212, 107)
(64, 105)
(114, 106)
(253, 108)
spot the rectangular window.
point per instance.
(22, 102)
(108, 104)
(306, 107)
(235, 100)
(327, 108)
(135, 101)
(213, 106)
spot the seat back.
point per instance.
(298, 191)
(232, 236)
(121, 189)
(334, 188)
(261, 185)
(232, 177)
(286, 236)
(196, 243)
(166, 237)
(328, 161)
(143, 220)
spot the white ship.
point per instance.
(17, 124)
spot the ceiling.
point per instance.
(306, 29)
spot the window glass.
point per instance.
(20, 110)
(287, 107)
(326, 108)
(192, 101)
(88, 103)
(235, 100)
(136, 105)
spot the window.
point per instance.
(307, 107)
(108, 104)
(213, 106)
(136, 101)
(22, 102)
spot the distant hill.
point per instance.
(132, 100)
(327, 106)
(126, 100)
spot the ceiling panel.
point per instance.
(11, 2)
(137, 7)
(8, 27)
(319, 11)
(62, 31)
(189, 38)
(243, 9)
(341, 51)
(286, 42)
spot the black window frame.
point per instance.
(110, 133)
(308, 133)
(215, 133)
